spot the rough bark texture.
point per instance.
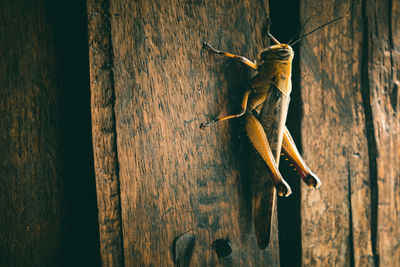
(350, 134)
(31, 192)
(173, 178)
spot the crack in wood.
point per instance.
(370, 132)
(351, 235)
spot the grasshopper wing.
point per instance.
(263, 208)
(272, 118)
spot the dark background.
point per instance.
(71, 43)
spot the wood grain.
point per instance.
(349, 135)
(381, 71)
(159, 178)
(31, 188)
(174, 177)
(336, 221)
(104, 134)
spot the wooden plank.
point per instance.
(336, 219)
(175, 178)
(104, 135)
(382, 58)
(31, 188)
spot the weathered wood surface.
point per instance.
(173, 178)
(350, 134)
(31, 189)
(382, 55)
(104, 134)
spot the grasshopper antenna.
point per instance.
(316, 29)
(273, 39)
(301, 27)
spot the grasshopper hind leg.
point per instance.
(290, 150)
(259, 140)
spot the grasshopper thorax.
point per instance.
(275, 67)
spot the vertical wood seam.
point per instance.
(370, 132)
(114, 126)
(391, 41)
(351, 232)
(392, 80)
(289, 222)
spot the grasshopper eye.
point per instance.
(283, 53)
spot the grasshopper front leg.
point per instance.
(244, 60)
(241, 113)
(293, 154)
(258, 138)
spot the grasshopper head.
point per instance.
(278, 51)
(282, 52)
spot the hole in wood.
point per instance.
(222, 247)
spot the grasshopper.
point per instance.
(274, 67)
(265, 104)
